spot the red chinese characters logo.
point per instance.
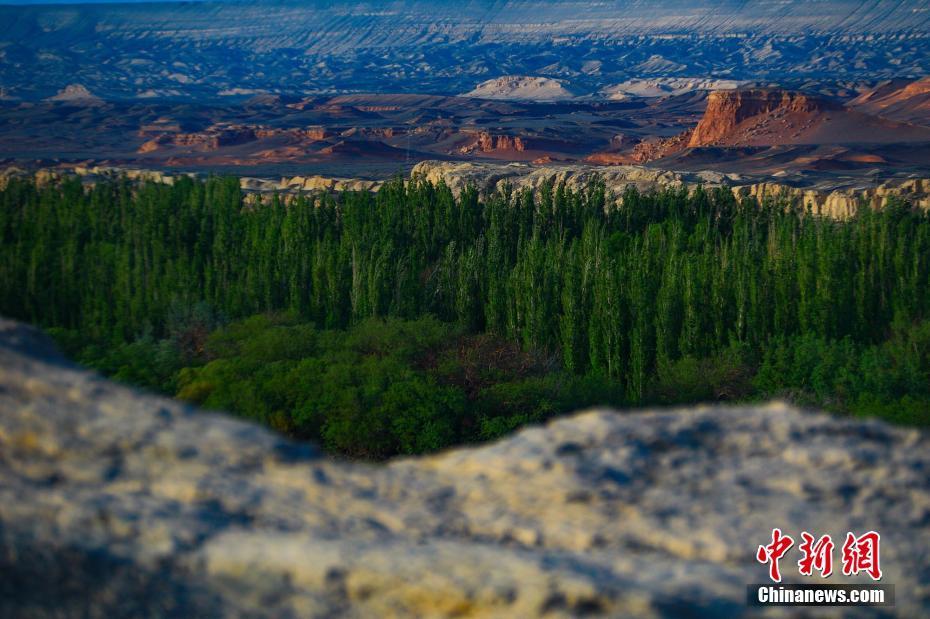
(860, 554)
(773, 552)
(817, 556)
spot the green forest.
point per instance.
(409, 320)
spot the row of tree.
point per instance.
(616, 287)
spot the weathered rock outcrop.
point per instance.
(650, 150)
(216, 136)
(76, 94)
(224, 134)
(488, 177)
(839, 203)
(521, 88)
(775, 117)
(843, 203)
(827, 200)
(665, 86)
(89, 174)
(321, 183)
(726, 109)
(485, 142)
(114, 503)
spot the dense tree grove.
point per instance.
(648, 292)
(381, 387)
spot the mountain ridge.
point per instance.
(200, 49)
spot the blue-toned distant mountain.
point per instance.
(212, 49)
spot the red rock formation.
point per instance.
(734, 118)
(650, 150)
(728, 109)
(151, 145)
(901, 101)
(506, 142)
(262, 133)
(489, 143)
(316, 133)
(608, 159)
(216, 136)
(644, 151)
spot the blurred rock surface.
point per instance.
(116, 503)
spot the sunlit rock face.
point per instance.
(727, 109)
(117, 503)
(826, 200)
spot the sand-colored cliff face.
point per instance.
(837, 203)
(843, 203)
(489, 177)
(89, 174)
(319, 183)
(115, 503)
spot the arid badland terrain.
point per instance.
(827, 96)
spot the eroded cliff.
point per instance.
(836, 202)
(727, 110)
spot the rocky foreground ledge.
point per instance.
(114, 503)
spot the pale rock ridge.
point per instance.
(117, 503)
(489, 177)
(521, 88)
(77, 94)
(88, 174)
(317, 183)
(835, 202)
(666, 87)
(838, 203)
(843, 203)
